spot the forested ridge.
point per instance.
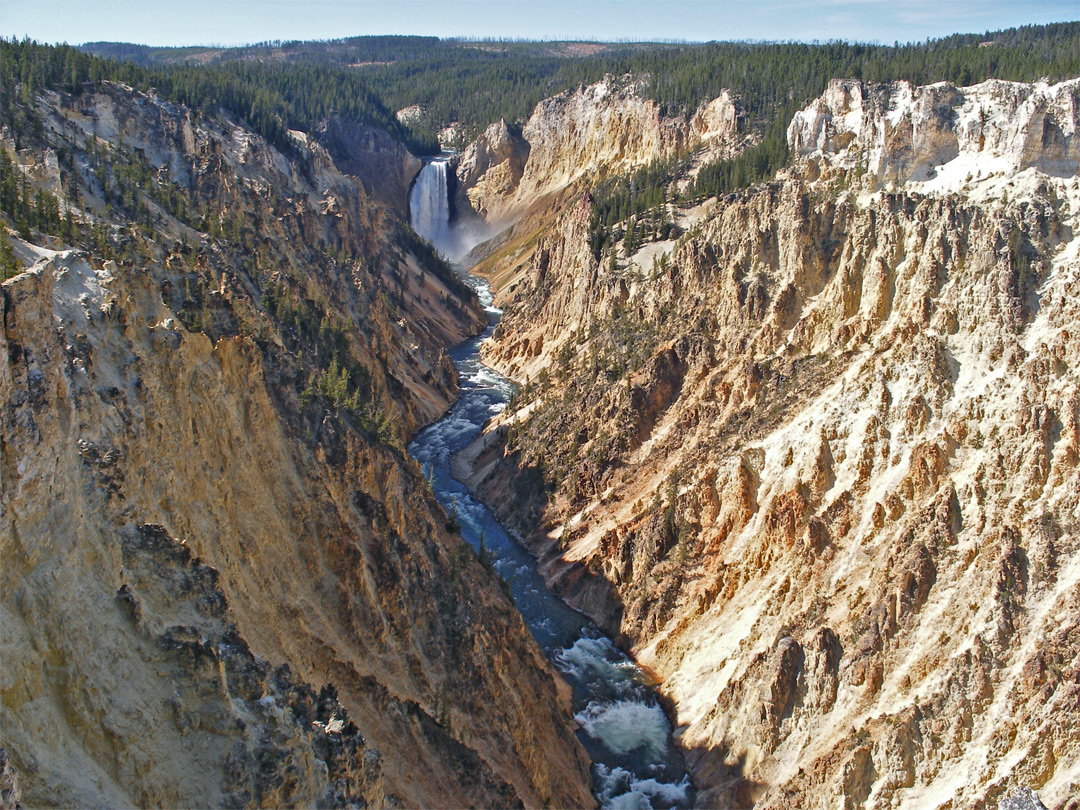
(270, 96)
(474, 83)
(278, 86)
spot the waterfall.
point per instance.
(429, 215)
(430, 208)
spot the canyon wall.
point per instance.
(816, 461)
(226, 583)
(941, 137)
(611, 126)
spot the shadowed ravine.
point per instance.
(623, 727)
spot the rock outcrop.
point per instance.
(941, 136)
(609, 126)
(384, 167)
(492, 165)
(226, 583)
(718, 118)
(819, 464)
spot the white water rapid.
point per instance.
(622, 726)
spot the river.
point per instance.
(622, 725)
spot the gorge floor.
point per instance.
(622, 724)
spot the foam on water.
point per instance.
(627, 726)
(620, 789)
(487, 299)
(598, 659)
(631, 800)
(484, 376)
(625, 732)
(669, 793)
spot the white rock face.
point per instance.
(716, 118)
(942, 136)
(410, 114)
(607, 124)
(449, 136)
(492, 165)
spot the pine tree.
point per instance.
(9, 264)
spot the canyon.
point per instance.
(809, 455)
(829, 494)
(215, 568)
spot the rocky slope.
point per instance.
(226, 583)
(818, 461)
(610, 126)
(941, 137)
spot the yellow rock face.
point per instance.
(177, 525)
(609, 126)
(820, 465)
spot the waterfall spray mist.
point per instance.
(429, 207)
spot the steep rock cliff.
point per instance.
(940, 136)
(384, 167)
(491, 167)
(609, 126)
(818, 464)
(202, 484)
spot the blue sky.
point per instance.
(230, 22)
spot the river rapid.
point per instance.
(622, 725)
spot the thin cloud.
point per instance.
(244, 21)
